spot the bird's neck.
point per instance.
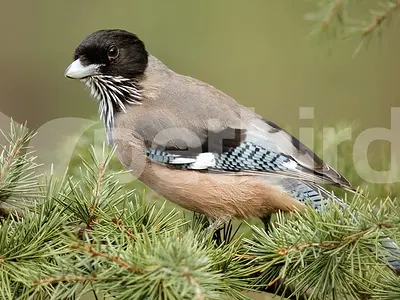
(114, 94)
(122, 92)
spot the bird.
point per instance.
(194, 144)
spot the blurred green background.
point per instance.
(256, 51)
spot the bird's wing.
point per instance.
(268, 135)
(261, 149)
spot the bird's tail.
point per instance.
(318, 197)
(393, 248)
(310, 193)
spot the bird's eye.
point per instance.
(113, 52)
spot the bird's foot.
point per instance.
(216, 225)
(266, 220)
(215, 228)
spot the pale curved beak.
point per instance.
(78, 71)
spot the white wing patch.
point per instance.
(202, 161)
(290, 165)
(182, 161)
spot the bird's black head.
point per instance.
(116, 53)
(111, 63)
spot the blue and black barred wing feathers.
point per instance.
(247, 152)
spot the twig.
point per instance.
(378, 21)
(122, 263)
(97, 194)
(335, 9)
(14, 153)
(74, 279)
(121, 226)
(195, 283)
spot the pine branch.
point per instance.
(18, 182)
(89, 250)
(389, 290)
(63, 279)
(328, 255)
(334, 19)
(126, 248)
(151, 252)
(379, 17)
(335, 10)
